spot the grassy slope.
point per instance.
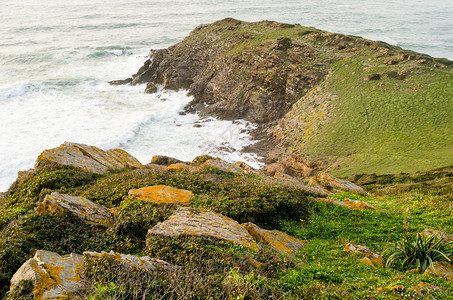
(321, 270)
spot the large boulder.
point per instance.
(277, 240)
(202, 222)
(88, 158)
(53, 276)
(162, 194)
(239, 167)
(83, 208)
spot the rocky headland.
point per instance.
(320, 99)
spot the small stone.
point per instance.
(372, 77)
(162, 194)
(372, 258)
(81, 207)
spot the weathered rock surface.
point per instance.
(201, 222)
(83, 208)
(287, 180)
(372, 258)
(144, 263)
(162, 194)
(88, 158)
(423, 286)
(240, 168)
(351, 204)
(53, 276)
(440, 234)
(177, 167)
(277, 240)
(441, 269)
(164, 160)
(330, 183)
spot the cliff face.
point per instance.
(320, 99)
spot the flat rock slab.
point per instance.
(351, 204)
(83, 208)
(441, 269)
(240, 168)
(162, 194)
(53, 276)
(144, 263)
(329, 182)
(88, 158)
(277, 240)
(372, 258)
(188, 221)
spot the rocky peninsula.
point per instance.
(87, 223)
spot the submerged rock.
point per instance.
(202, 222)
(162, 194)
(53, 276)
(88, 158)
(83, 208)
(277, 240)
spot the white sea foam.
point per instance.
(11, 91)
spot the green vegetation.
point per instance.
(218, 269)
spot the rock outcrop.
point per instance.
(442, 269)
(53, 276)
(330, 182)
(371, 258)
(439, 234)
(351, 204)
(202, 222)
(277, 240)
(88, 158)
(162, 194)
(239, 168)
(83, 208)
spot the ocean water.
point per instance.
(56, 58)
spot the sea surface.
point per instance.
(56, 58)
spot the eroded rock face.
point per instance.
(372, 258)
(162, 194)
(441, 269)
(83, 208)
(53, 276)
(144, 263)
(278, 240)
(88, 158)
(202, 222)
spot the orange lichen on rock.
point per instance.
(53, 276)
(240, 168)
(441, 269)
(188, 221)
(440, 234)
(162, 194)
(351, 204)
(372, 258)
(83, 208)
(329, 182)
(277, 240)
(177, 167)
(88, 158)
(423, 286)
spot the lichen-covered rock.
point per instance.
(144, 263)
(423, 286)
(351, 204)
(164, 160)
(372, 258)
(83, 208)
(329, 182)
(440, 234)
(201, 222)
(441, 269)
(289, 181)
(88, 158)
(177, 167)
(162, 194)
(240, 168)
(53, 276)
(277, 240)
